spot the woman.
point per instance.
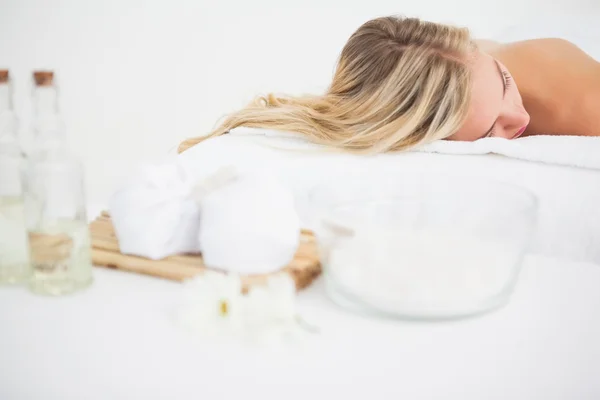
(403, 82)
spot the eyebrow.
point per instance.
(499, 69)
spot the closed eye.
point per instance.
(506, 82)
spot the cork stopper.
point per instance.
(43, 78)
(3, 76)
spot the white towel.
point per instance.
(155, 214)
(551, 167)
(573, 151)
(570, 151)
(241, 222)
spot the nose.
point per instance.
(514, 122)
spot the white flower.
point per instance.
(270, 311)
(282, 290)
(212, 304)
(271, 303)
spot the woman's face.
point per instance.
(496, 108)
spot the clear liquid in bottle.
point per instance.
(60, 257)
(14, 252)
(59, 238)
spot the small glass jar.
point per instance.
(422, 245)
(58, 232)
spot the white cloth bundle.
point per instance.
(241, 222)
(249, 224)
(155, 214)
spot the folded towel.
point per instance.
(248, 224)
(574, 151)
(155, 214)
(561, 171)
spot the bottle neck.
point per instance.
(45, 100)
(5, 97)
(49, 129)
(9, 144)
(8, 120)
(50, 141)
(9, 141)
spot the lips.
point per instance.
(520, 132)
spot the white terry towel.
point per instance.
(155, 214)
(563, 150)
(569, 218)
(573, 151)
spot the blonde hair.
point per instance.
(400, 82)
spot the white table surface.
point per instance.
(116, 341)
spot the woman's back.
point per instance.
(559, 84)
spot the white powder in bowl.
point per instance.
(422, 273)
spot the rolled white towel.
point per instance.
(155, 214)
(249, 223)
(241, 222)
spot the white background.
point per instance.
(114, 343)
(137, 77)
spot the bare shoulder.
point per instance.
(544, 50)
(488, 45)
(541, 45)
(558, 81)
(553, 48)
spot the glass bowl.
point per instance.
(421, 245)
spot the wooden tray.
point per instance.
(304, 268)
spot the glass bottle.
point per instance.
(14, 254)
(55, 205)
